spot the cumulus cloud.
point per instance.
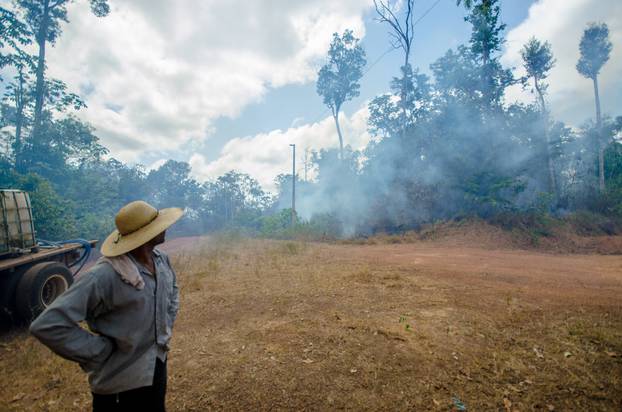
(156, 73)
(266, 155)
(561, 23)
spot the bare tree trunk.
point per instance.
(549, 157)
(336, 117)
(19, 120)
(403, 97)
(403, 92)
(407, 53)
(41, 40)
(601, 145)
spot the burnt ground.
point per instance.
(418, 326)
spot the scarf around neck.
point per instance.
(126, 269)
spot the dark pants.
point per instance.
(147, 398)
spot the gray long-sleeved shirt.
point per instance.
(129, 328)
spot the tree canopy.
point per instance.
(595, 48)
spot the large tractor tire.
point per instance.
(39, 286)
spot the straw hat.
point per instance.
(137, 223)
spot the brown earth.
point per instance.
(416, 326)
(558, 237)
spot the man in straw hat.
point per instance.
(129, 300)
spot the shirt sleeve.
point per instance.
(173, 306)
(58, 326)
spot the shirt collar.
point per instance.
(141, 268)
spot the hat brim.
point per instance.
(116, 246)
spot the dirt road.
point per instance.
(423, 326)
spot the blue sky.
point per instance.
(442, 28)
(229, 84)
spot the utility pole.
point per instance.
(293, 185)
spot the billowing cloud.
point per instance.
(266, 155)
(561, 23)
(156, 73)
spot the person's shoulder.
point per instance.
(101, 272)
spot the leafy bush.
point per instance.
(319, 227)
(490, 193)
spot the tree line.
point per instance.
(76, 188)
(442, 147)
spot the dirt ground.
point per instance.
(268, 325)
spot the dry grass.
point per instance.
(557, 236)
(291, 325)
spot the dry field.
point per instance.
(422, 326)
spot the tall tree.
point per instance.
(44, 17)
(538, 61)
(16, 101)
(338, 79)
(595, 48)
(485, 40)
(402, 34)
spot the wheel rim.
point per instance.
(52, 288)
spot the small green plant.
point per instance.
(407, 326)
